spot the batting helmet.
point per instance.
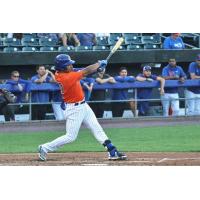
(62, 61)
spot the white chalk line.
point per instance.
(176, 159)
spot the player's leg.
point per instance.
(190, 103)
(165, 103)
(58, 112)
(197, 104)
(91, 122)
(175, 104)
(75, 115)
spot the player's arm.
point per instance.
(53, 80)
(162, 84)
(193, 76)
(139, 78)
(93, 68)
(41, 79)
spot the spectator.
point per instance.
(87, 84)
(43, 76)
(145, 93)
(193, 105)
(21, 89)
(15, 35)
(172, 72)
(54, 36)
(70, 39)
(100, 95)
(174, 42)
(56, 99)
(87, 39)
(122, 94)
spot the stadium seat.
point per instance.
(120, 48)
(128, 35)
(26, 41)
(10, 49)
(101, 48)
(152, 46)
(113, 39)
(30, 35)
(65, 48)
(32, 49)
(47, 49)
(135, 47)
(11, 42)
(115, 35)
(83, 48)
(47, 42)
(154, 39)
(133, 40)
(102, 41)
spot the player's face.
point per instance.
(15, 76)
(41, 71)
(70, 68)
(172, 62)
(123, 73)
(147, 73)
(198, 63)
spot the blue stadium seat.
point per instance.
(122, 47)
(65, 48)
(135, 47)
(100, 48)
(154, 39)
(30, 35)
(152, 46)
(128, 35)
(26, 41)
(113, 39)
(47, 42)
(83, 48)
(102, 41)
(12, 42)
(32, 49)
(11, 49)
(133, 40)
(115, 35)
(48, 49)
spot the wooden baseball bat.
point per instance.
(114, 49)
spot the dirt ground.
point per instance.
(100, 159)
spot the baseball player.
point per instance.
(193, 93)
(146, 93)
(77, 110)
(172, 72)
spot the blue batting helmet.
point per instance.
(62, 61)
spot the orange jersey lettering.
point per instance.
(70, 86)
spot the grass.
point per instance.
(150, 139)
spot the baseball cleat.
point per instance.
(42, 153)
(115, 155)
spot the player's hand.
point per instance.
(102, 63)
(181, 80)
(149, 79)
(111, 80)
(162, 92)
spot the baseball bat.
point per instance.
(114, 49)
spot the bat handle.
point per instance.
(109, 56)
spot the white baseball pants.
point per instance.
(170, 99)
(193, 105)
(58, 112)
(75, 115)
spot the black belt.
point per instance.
(82, 102)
